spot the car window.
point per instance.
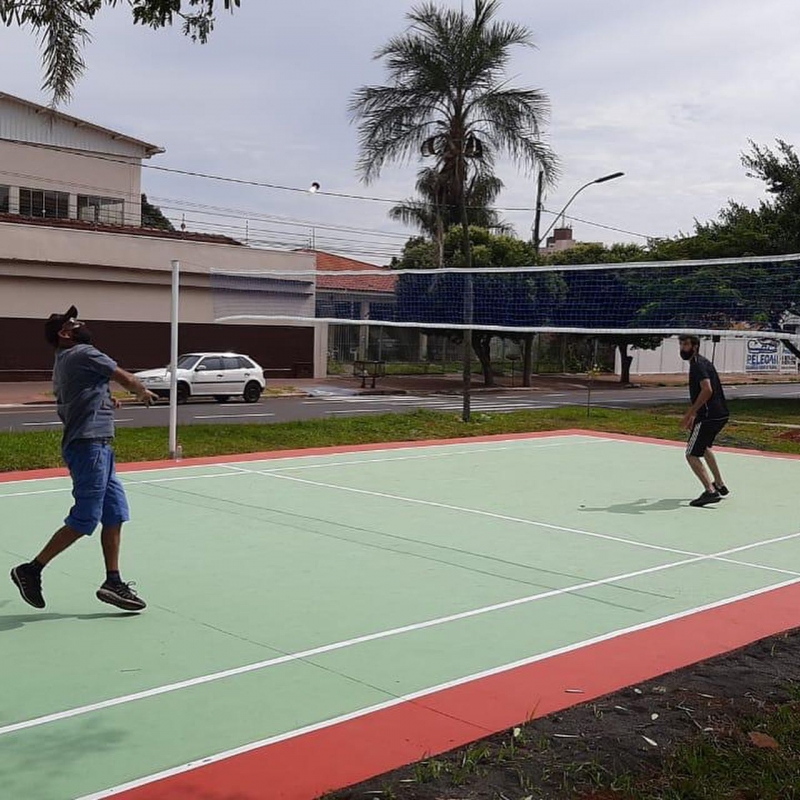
(246, 363)
(187, 362)
(230, 363)
(212, 363)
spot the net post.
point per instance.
(466, 410)
(173, 361)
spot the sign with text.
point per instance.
(763, 355)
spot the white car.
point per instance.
(217, 375)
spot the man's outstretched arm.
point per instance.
(133, 385)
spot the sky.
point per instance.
(667, 92)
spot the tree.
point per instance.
(448, 96)
(756, 294)
(60, 26)
(435, 212)
(772, 228)
(507, 300)
(153, 216)
(607, 298)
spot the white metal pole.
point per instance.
(173, 362)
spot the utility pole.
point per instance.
(538, 217)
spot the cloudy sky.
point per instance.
(668, 92)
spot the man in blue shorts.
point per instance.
(706, 417)
(81, 376)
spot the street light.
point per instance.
(537, 240)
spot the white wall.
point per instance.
(732, 356)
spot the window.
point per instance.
(187, 362)
(246, 363)
(4, 199)
(104, 210)
(43, 203)
(212, 364)
(229, 362)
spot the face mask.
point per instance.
(687, 356)
(81, 335)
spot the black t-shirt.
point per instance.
(701, 369)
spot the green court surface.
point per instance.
(288, 592)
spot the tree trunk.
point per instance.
(625, 361)
(527, 359)
(482, 343)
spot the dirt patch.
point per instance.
(602, 750)
(790, 436)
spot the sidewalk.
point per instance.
(41, 392)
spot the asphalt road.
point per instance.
(286, 409)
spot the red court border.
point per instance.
(137, 466)
(308, 765)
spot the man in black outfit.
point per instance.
(706, 417)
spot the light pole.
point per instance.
(537, 240)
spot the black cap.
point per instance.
(55, 322)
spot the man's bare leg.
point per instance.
(114, 591)
(110, 538)
(711, 460)
(28, 577)
(699, 469)
(62, 539)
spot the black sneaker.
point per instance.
(28, 580)
(121, 595)
(706, 499)
(723, 490)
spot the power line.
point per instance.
(293, 189)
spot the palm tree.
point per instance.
(433, 212)
(448, 97)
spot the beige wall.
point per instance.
(23, 242)
(127, 277)
(39, 168)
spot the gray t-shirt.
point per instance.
(80, 383)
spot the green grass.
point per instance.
(40, 449)
(719, 764)
(728, 764)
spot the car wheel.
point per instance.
(252, 392)
(183, 393)
(222, 398)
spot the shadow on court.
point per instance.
(8, 622)
(642, 506)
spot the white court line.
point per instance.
(233, 468)
(421, 694)
(567, 438)
(459, 452)
(226, 474)
(677, 444)
(523, 521)
(58, 422)
(370, 637)
(230, 416)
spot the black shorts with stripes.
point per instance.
(703, 435)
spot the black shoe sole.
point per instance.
(695, 504)
(105, 596)
(18, 584)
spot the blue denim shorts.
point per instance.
(99, 496)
